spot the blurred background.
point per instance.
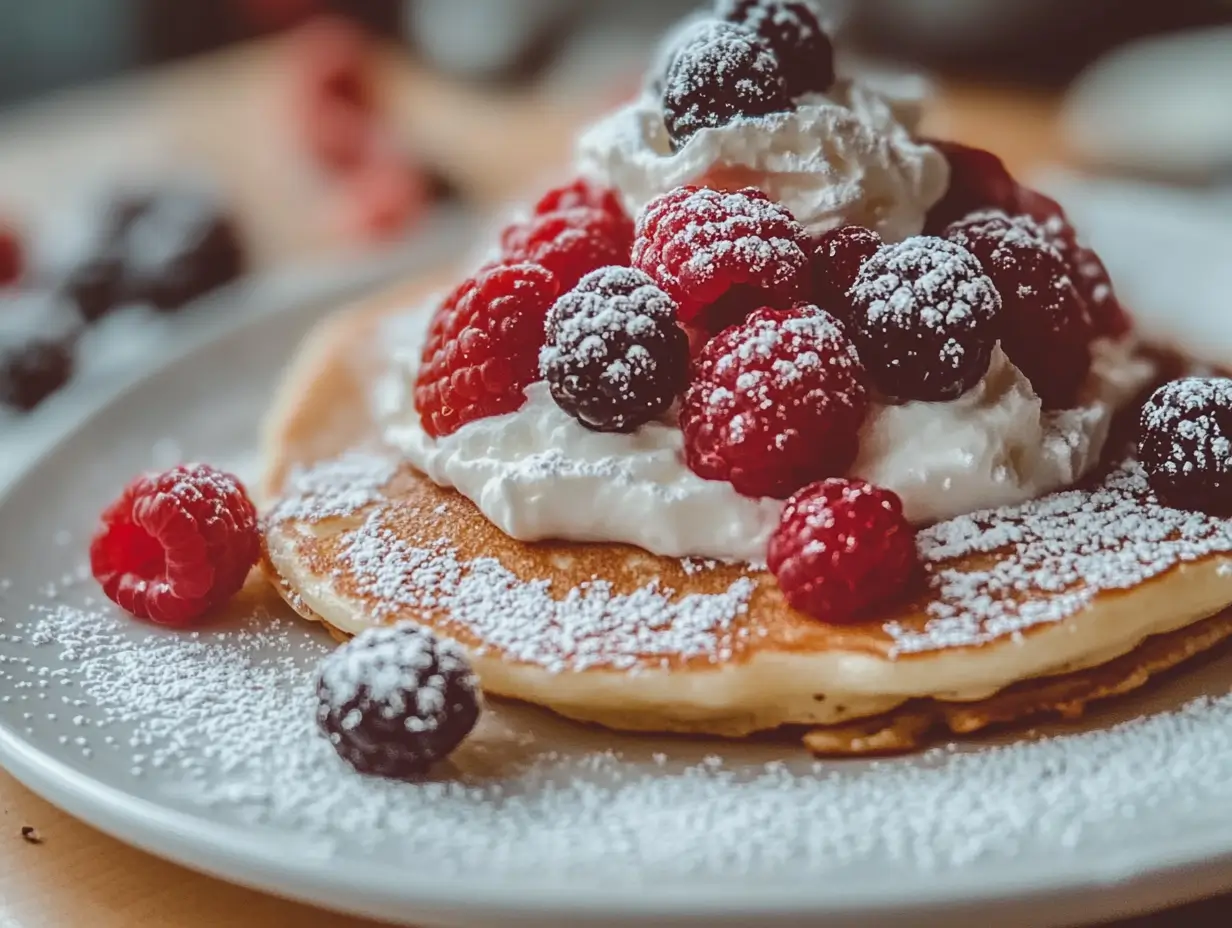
(153, 150)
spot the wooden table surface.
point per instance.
(226, 113)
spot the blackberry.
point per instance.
(37, 339)
(395, 700)
(721, 72)
(924, 320)
(792, 31)
(615, 358)
(1185, 444)
(95, 275)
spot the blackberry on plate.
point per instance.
(794, 34)
(615, 358)
(92, 274)
(37, 338)
(924, 320)
(720, 72)
(396, 699)
(1185, 444)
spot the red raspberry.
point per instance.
(842, 550)
(837, 259)
(176, 545)
(334, 94)
(10, 256)
(581, 192)
(482, 350)
(570, 242)
(978, 181)
(1044, 326)
(701, 244)
(382, 197)
(775, 403)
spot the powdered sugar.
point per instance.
(335, 489)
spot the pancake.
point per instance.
(1024, 611)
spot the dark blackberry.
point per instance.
(838, 257)
(924, 320)
(720, 72)
(37, 337)
(794, 34)
(1185, 444)
(396, 699)
(615, 358)
(94, 275)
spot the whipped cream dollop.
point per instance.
(845, 157)
(538, 474)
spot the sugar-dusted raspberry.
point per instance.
(925, 320)
(721, 72)
(842, 550)
(175, 545)
(482, 349)
(570, 242)
(396, 699)
(11, 260)
(837, 259)
(583, 192)
(1185, 444)
(699, 244)
(775, 402)
(978, 181)
(615, 357)
(794, 34)
(1044, 330)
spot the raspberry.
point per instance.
(1044, 326)
(394, 700)
(775, 402)
(837, 259)
(615, 358)
(176, 545)
(700, 244)
(791, 30)
(842, 550)
(482, 349)
(382, 196)
(978, 181)
(721, 72)
(570, 242)
(335, 96)
(582, 192)
(1185, 444)
(925, 320)
(11, 261)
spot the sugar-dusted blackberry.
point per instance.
(92, 274)
(615, 358)
(396, 699)
(720, 72)
(924, 320)
(38, 335)
(794, 34)
(1185, 444)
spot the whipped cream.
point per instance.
(845, 157)
(538, 474)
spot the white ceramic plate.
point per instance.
(201, 749)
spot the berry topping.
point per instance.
(37, 336)
(1044, 326)
(10, 256)
(791, 29)
(775, 402)
(582, 192)
(978, 181)
(482, 349)
(176, 545)
(394, 700)
(924, 318)
(570, 242)
(700, 245)
(1185, 444)
(1108, 317)
(837, 259)
(842, 550)
(615, 358)
(721, 72)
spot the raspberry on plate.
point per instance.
(395, 700)
(775, 402)
(701, 245)
(794, 34)
(570, 242)
(978, 181)
(842, 550)
(175, 545)
(1185, 444)
(837, 259)
(11, 262)
(1044, 326)
(482, 348)
(925, 320)
(721, 72)
(615, 357)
